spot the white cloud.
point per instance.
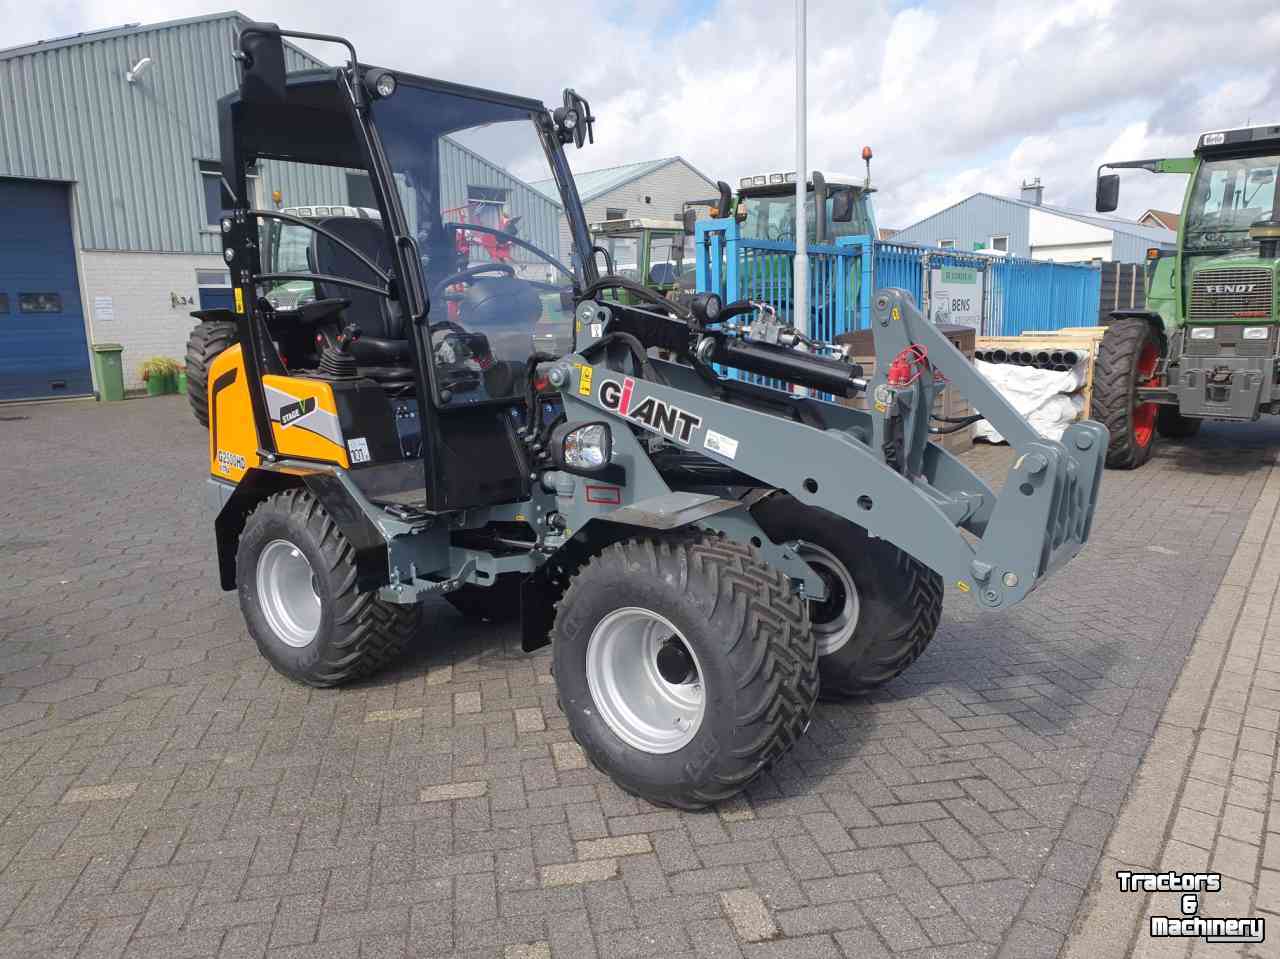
(953, 97)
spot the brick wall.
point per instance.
(147, 291)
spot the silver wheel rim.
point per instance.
(643, 708)
(287, 593)
(836, 618)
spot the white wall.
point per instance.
(1064, 240)
(1072, 252)
(142, 288)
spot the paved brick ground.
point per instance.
(1207, 795)
(163, 793)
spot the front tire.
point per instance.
(1128, 356)
(1172, 425)
(882, 607)
(685, 666)
(296, 576)
(207, 340)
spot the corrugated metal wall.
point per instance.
(975, 220)
(461, 167)
(134, 149)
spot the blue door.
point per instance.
(43, 352)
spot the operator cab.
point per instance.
(419, 295)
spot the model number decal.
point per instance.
(649, 411)
(228, 461)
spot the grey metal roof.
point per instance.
(107, 33)
(1116, 224)
(596, 183)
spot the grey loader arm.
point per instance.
(928, 503)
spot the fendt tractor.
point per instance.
(703, 555)
(1207, 344)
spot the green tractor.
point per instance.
(1207, 344)
(646, 250)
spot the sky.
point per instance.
(953, 97)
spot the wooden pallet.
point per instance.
(1081, 337)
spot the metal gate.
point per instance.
(43, 350)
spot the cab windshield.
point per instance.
(1226, 198)
(774, 218)
(475, 182)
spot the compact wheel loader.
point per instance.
(704, 555)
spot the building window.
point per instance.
(947, 244)
(615, 213)
(360, 191)
(39, 303)
(211, 183)
(487, 194)
(1000, 243)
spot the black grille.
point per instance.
(1224, 294)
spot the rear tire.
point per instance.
(644, 623)
(883, 606)
(1172, 425)
(296, 576)
(207, 340)
(497, 603)
(1128, 354)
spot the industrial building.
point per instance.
(651, 188)
(110, 183)
(1027, 227)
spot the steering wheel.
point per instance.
(317, 311)
(471, 272)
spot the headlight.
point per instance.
(1257, 332)
(1202, 332)
(587, 448)
(570, 119)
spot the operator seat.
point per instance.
(383, 344)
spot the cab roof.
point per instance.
(1240, 141)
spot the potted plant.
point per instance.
(160, 373)
(182, 378)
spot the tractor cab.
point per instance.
(646, 250)
(837, 206)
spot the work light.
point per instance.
(381, 83)
(587, 448)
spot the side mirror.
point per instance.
(842, 206)
(690, 218)
(261, 56)
(1107, 196)
(726, 199)
(574, 122)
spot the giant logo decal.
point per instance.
(651, 412)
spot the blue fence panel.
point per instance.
(1020, 294)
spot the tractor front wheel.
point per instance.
(207, 340)
(1128, 357)
(296, 575)
(685, 666)
(882, 606)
